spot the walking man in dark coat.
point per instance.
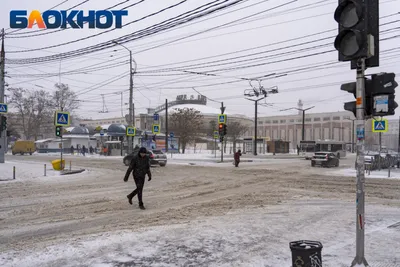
(140, 166)
(237, 157)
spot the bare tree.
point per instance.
(33, 110)
(235, 130)
(187, 124)
(64, 98)
(212, 126)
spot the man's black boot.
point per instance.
(141, 206)
(130, 196)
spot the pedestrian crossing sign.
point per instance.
(130, 131)
(62, 119)
(156, 128)
(380, 126)
(216, 134)
(222, 119)
(3, 108)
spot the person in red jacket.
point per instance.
(237, 157)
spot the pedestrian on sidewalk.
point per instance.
(237, 156)
(140, 166)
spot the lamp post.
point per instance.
(304, 117)
(131, 120)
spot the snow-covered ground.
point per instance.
(25, 171)
(256, 237)
(382, 174)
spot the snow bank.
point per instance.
(252, 237)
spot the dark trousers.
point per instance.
(139, 181)
(237, 163)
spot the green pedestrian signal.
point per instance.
(59, 131)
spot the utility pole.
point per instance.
(131, 120)
(257, 92)
(380, 150)
(166, 126)
(222, 142)
(3, 134)
(255, 123)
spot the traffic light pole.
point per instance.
(222, 142)
(360, 195)
(3, 134)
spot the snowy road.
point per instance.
(203, 216)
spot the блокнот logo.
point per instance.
(54, 19)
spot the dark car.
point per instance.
(157, 157)
(325, 159)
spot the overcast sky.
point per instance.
(270, 33)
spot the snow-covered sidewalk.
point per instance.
(382, 174)
(25, 170)
(256, 237)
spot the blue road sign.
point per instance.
(102, 133)
(380, 126)
(130, 131)
(171, 134)
(156, 117)
(62, 119)
(3, 108)
(360, 133)
(156, 128)
(222, 118)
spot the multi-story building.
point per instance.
(330, 125)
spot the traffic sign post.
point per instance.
(156, 117)
(171, 134)
(101, 132)
(156, 128)
(216, 136)
(62, 119)
(380, 126)
(3, 108)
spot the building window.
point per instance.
(346, 117)
(267, 122)
(261, 122)
(336, 118)
(113, 121)
(317, 119)
(292, 120)
(327, 119)
(308, 119)
(300, 120)
(275, 122)
(283, 121)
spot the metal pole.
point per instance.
(302, 127)
(2, 91)
(44, 169)
(215, 147)
(222, 143)
(380, 150)
(122, 105)
(131, 121)
(255, 128)
(14, 171)
(61, 163)
(352, 139)
(398, 148)
(360, 195)
(166, 126)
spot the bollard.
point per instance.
(14, 172)
(389, 171)
(44, 169)
(70, 168)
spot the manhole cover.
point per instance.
(396, 225)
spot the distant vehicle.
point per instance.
(308, 148)
(22, 147)
(324, 159)
(157, 157)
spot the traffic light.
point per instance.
(3, 123)
(352, 106)
(383, 94)
(221, 129)
(59, 131)
(224, 129)
(357, 29)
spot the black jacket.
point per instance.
(139, 167)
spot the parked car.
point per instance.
(157, 157)
(325, 159)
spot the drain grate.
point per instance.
(396, 225)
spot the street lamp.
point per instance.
(131, 120)
(304, 117)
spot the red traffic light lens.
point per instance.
(221, 126)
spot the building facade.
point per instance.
(336, 126)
